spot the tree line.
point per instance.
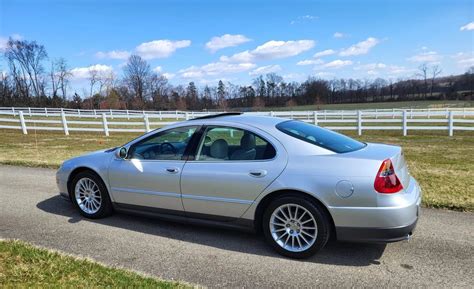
(33, 79)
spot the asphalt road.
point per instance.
(439, 255)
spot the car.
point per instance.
(296, 183)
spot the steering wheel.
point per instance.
(166, 146)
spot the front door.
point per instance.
(150, 175)
(231, 168)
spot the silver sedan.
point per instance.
(296, 183)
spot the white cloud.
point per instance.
(158, 69)
(469, 26)
(226, 40)
(271, 50)
(324, 53)
(370, 66)
(304, 18)
(295, 76)
(169, 75)
(215, 68)
(114, 54)
(362, 47)
(325, 74)
(429, 56)
(160, 48)
(310, 62)
(464, 59)
(336, 64)
(4, 40)
(382, 69)
(265, 69)
(338, 35)
(84, 72)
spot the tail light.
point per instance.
(386, 181)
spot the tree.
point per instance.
(192, 96)
(25, 60)
(221, 93)
(435, 71)
(424, 74)
(60, 76)
(137, 75)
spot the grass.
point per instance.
(23, 265)
(440, 163)
(378, 105)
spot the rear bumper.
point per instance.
(375, 235)
(393, 220)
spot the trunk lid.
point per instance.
(381, 152)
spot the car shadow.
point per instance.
(335, 253)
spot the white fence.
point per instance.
(106, 121)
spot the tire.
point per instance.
(90, 196)
(291, 236)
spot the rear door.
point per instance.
(232, 166)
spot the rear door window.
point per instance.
(319, 136)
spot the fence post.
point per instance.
(186, 115)
(95, 113)
(404, 123)
(78, 111)
(104, 122)
(451, 123)
(393, 113)
(111, 114)
(64, 121)
(429, 113)
(147, 122)
(22, 122)
(29, 111)
(272, 114)
(161, 117)
(176, 112)
(46, 112)
(359, 122)
(315, 117)
(128, 116)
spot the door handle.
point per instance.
(258, 173)
(172, 170)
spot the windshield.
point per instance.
(319, 136)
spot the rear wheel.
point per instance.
(90, 195)
(295, 227)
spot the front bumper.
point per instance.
(61, 182)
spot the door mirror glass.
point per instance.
(122, 153)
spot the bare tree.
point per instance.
(435, 71)
(25, 59)
(424, 75)
(60, 76)
(137, 75)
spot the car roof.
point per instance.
(248, 119)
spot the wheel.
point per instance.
(90, 196)
(295, 227)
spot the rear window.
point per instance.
(319, 136)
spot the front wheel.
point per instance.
(295, 227)
(90, 196)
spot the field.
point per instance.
(23, 265)
(378, 105)
(440, 163)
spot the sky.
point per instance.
(204, 41)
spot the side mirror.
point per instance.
(122, 153)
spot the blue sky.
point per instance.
(204, 41)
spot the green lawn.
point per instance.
(440, 163)
(23, 265)
(378, 105)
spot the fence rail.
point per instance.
(107, 121)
